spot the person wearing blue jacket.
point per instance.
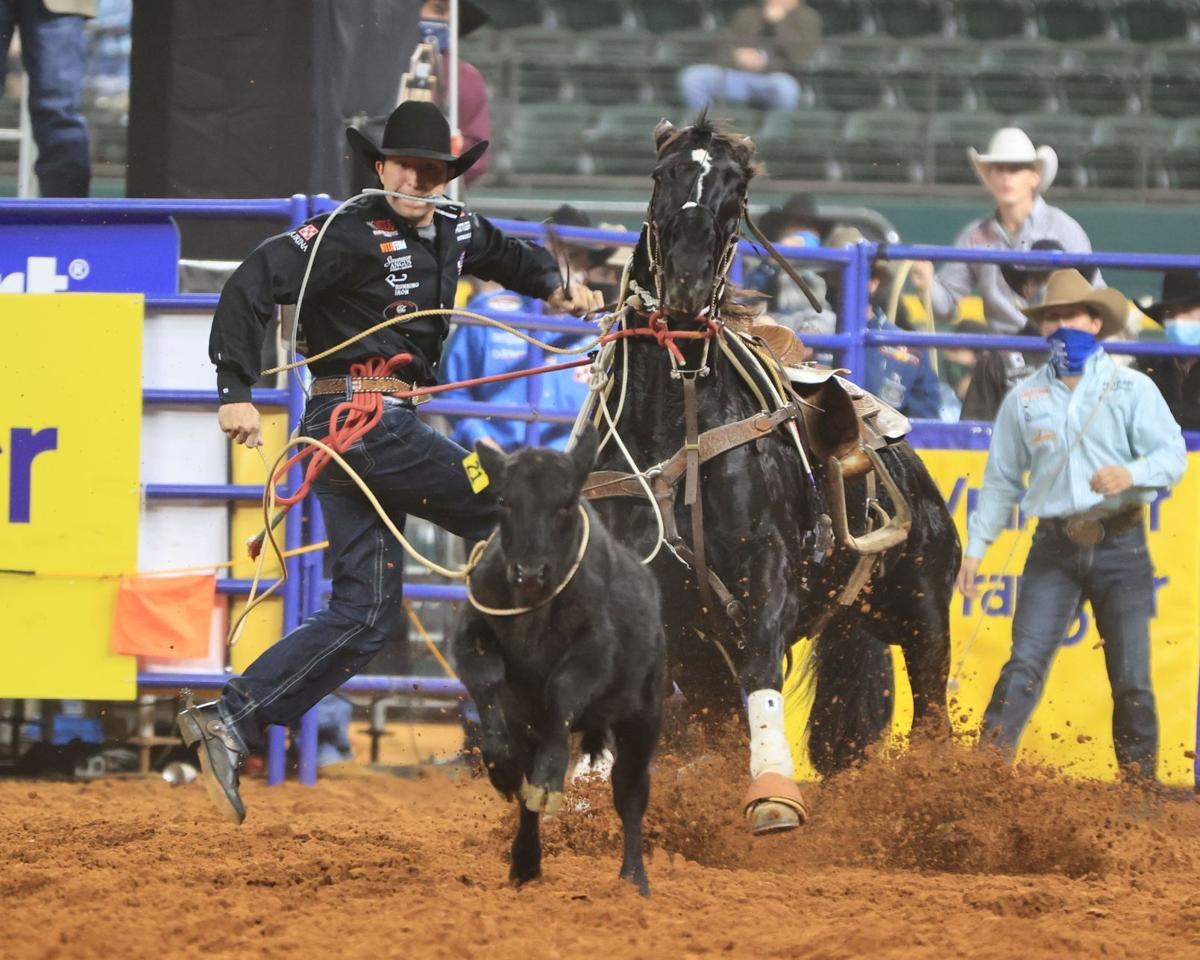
(475, 351)
(482, 351)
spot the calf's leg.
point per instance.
(527, 848)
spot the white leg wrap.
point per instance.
(769, 752)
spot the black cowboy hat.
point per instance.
(1017, 274)
(569, 216)
(1179, 287)
(470, 17)
(802, 208)
(416, 128)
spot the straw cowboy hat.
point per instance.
(1068, 288)
(1012, 145)
(416, 128)
(841, 237)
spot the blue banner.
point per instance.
(63, 257)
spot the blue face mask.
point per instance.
(1185, 332)
(1069, 350)
(438, 30)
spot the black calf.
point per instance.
(587, 655)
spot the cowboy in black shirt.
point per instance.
(379, 258)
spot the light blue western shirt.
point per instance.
(1115, 416)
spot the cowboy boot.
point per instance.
(220, 751)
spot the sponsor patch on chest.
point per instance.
(391, 246)
(383, 228)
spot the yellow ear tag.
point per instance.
(476, 476)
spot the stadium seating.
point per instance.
(1154, 21)
(1012, 91)
(546, 138)
(658, 17)
(883, 145)
(1175, 94)
(1183, 157)
(1071, 21)
(621, 142)
(845, 88)
(800, 145)
(1095, 93)
(992, 19)
(842, 16)
(903, 19)
(1127, 151)
(951, 134)
(507, 14)
(593, 15)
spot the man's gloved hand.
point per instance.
(578, 300)
(241, 423)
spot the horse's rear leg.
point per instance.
(635, 742)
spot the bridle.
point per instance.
(710, 314)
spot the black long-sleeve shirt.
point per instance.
(371, 265)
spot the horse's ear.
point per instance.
(493, 461)
(583, 454)
(662, 133)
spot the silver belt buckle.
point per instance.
(1085, 531)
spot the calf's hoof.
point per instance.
(539, 799)
(773, 804)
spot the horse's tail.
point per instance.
(853, 694)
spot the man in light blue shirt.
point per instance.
(1097, 440)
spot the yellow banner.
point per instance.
(70, 423)
(1072, 727)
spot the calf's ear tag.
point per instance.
(476, 476)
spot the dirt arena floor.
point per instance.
(936, 853)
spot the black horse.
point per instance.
(765, 512)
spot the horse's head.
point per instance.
(538, 492)
(700, 184)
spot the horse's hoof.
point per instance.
(773, 803)
(767, 816)
(541, 800)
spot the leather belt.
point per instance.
(347, 386)
(1089, 531)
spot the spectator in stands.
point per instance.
(765, 45)
(998, 370)
(480, 351)
(1016, 174)
(54, 54)
(956, 369)
(1097, 441)
(798, 224)
(900, 376)
(1178, 378)
(474, 118)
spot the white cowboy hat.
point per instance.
(1012, 145)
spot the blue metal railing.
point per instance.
(306, 585)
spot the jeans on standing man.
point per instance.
(54, 54)
(412, 469)
(1116, 576)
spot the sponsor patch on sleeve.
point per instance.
(476, 476)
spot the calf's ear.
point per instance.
(583, 454)
(493, 461)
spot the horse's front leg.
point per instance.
(773, 802)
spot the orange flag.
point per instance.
(164, 616)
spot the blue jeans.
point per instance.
(411, 469)
(54, 54)
(1117, 577)
(704, 83)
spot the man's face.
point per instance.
(414, 175)
(435, 10)
(1075, 318)
(1012, 183)
(1186, 311)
